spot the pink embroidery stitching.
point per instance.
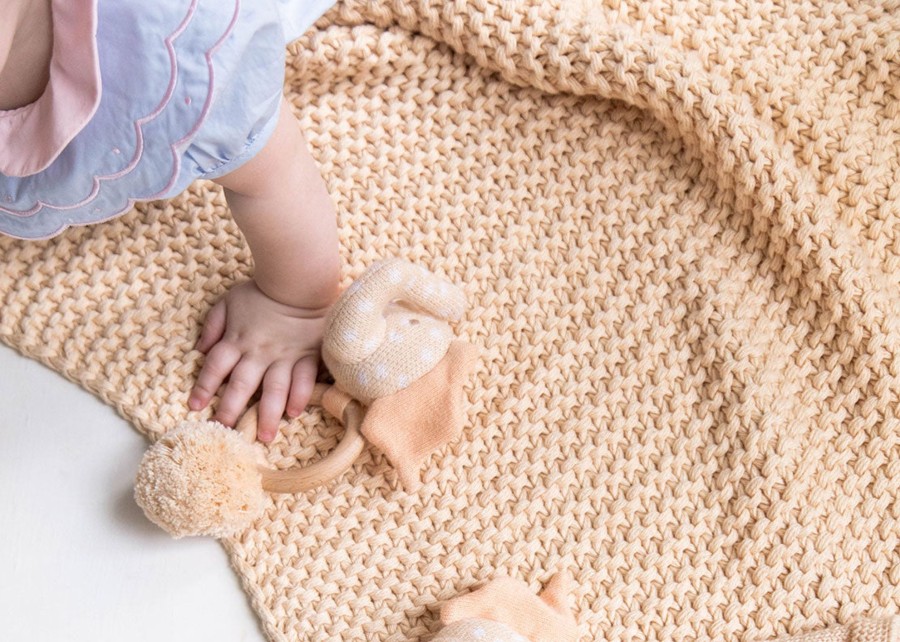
(206, 105)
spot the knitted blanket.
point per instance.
(678, 227)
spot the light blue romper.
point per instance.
(189, 89)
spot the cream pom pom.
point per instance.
(200, 479)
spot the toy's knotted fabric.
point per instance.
(410, 424)
(509, 602)
(388, 344)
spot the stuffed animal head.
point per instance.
(389, 329)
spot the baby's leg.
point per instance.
(268, 331)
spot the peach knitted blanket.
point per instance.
(678, 227)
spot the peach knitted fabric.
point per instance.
(864, 630)
(410, 424)
(676, 225)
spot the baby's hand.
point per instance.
(257, 340)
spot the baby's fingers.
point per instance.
(219, 362)
(242, 384)
(213, 327)
(303, 379)
(276, 385)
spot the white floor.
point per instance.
(78, 560)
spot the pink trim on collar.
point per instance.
(32, 136)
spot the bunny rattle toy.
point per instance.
(399, 375)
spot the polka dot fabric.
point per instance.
(478, 630)
(375, 343)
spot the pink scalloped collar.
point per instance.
(32, 136)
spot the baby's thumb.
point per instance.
(213, 328)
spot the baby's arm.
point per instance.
(268, 330)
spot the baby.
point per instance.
(108, 102)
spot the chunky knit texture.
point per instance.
(477, 629)
(676, 224)
(863, 630)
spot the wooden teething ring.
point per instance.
(333, 465)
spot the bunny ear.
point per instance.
(431, 294)
(410, 424)
(356, 325)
